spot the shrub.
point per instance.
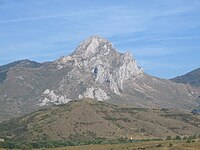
(169, 138)
(184, 138)
(189, 141)
(159, 145)
(177, 137)
(170, 144)
(192, 137)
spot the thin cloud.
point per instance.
(158, 64)
(66, 14)
(176, 38)
(153, 51)
(33, 18)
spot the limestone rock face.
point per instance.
(49, 97)
(94, 93)
(108, 67)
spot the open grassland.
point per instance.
(156, 145)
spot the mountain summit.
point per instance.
(94, 70)
(94, 45)
(109, 67)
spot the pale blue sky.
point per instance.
(162, 35)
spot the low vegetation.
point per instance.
(90, 122)
(140, 145)
(101, 141)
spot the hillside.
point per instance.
(91, 120)
(192, 78)
(94, 70)
(20, 63)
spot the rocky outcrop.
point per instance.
(94, 93)
(109, 68)
(49, 98)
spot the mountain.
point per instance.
(94, 70)
(21, 63)
(192, 78)
(89, 119)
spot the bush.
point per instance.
(189, 141)
(192, 137)
(169, 138)
(170, 144)
(122, 140)
(8, 144)
(184, 138)
(177, 138)
(159, 145)
(198, 137)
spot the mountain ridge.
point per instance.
(94, 70)
(20, 63)
(192, 78)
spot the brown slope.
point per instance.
(90, 119)
(151, 92)
(22, 86)
(192, 78)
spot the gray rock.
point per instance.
(108, 67)
(94, 93)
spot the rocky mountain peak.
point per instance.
(94, 45)
(108, 67)
(96, 51)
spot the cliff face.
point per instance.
(108, 67)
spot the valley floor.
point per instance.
(156, 145)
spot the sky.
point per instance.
(162, 35)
